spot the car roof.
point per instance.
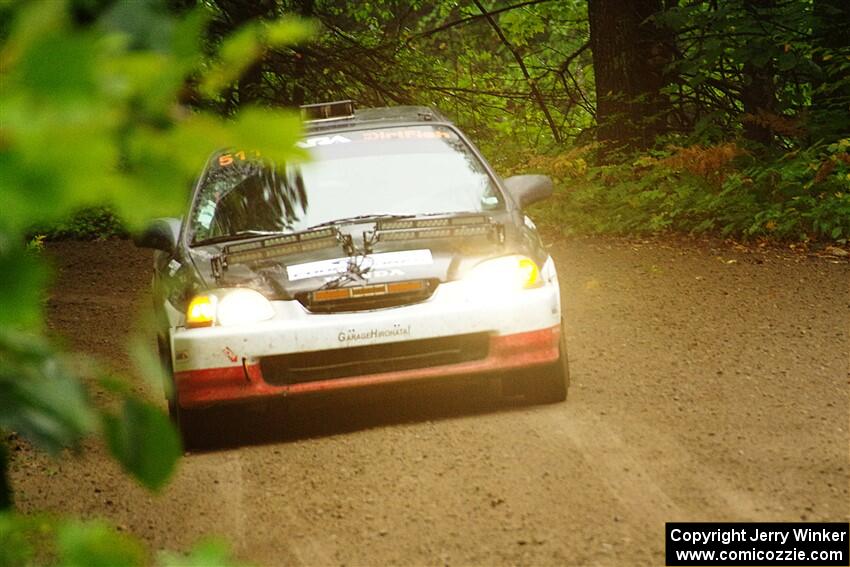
(382, 116)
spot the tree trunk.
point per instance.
(758, 94)
(630, 54)
(305, 10)
(831, 97)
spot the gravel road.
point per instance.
(709, 383)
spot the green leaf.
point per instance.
(188, 32)
(95, 544)
(271, 132)
(42, 540)
(144, 441)
(246, 45)
(210, 553)
(22, 281)
(47, 76)
(34, 21)
(16, 545)
(237, 53)
(149, 365)
(144, 22)
(287, 31)
(39, 398)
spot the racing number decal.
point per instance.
(227, 159)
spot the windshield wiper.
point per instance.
(361, 218)
(239, 235)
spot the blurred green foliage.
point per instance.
(47, 540)
(89, 117)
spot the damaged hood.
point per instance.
(440, 259)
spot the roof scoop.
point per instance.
(327, 111)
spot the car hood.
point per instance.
(441, 259)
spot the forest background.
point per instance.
(725, 117)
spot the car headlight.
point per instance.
(228, 307)
(507, 273)
(201, 311)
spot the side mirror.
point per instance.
(161, 234)
(528, 189)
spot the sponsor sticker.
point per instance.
(385, 261)
(356, 335)
(322, 141)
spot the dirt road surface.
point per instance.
(709, 383)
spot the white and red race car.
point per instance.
(394, 254)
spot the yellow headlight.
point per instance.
(231, 306)
(505, 274)
(529, 274)
(201, 311)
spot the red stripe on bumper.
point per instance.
(209, 386)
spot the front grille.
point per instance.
(366, 297)
(373, 359)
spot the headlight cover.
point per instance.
(225, 307)
(508, 273)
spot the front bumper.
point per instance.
(231, 383)
(219, 364)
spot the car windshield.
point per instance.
(410, 170)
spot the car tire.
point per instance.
(191, 424)
(187, 421)
(168, 386)
(549, 384)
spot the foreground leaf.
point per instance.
(39, 398)
(96, 544)
(211, 553)
(144, 441)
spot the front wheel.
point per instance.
(188, 422)
(191, 424)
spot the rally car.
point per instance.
(393, 254)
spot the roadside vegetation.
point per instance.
(719, 190)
